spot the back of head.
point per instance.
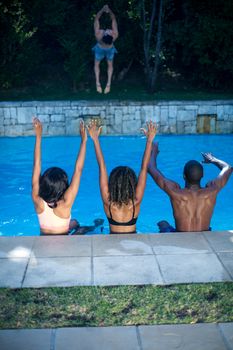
(53, 184)
(107, 39)
(193, 172)
(122, 185)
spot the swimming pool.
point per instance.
(17, 216)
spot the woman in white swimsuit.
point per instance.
(52, 194)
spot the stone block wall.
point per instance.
(117, 117)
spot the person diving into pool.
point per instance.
(192, 205)
(104, 47)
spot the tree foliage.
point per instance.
(50, 41)
(199, 41)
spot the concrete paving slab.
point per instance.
(182, 337)
(126, 270)
(12, 271)
(43, 272)
(25, 339)
(192, 268)
(116, 259)
(227, 332)
(16, 247)
(179, 243)
(105, 338)
(221, 241)
(62, 246)
(227, 261)
(121, 245)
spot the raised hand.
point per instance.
(94, 130)
(82, 130)
(37, 126)
(208, 157)
(151, 130)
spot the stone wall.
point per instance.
(117, 117)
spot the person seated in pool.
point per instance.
(122, 193)
(52, 194)
(104, 47)
(192, 205)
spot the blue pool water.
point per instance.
(17, 216)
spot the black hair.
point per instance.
(107, 39)
(193, 171)
(122, 185)
(53, 184)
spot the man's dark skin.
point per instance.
(192, 206)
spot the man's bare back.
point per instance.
(192, 206)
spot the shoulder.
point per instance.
(172, 187)
(212, 186)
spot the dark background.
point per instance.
(46, 45)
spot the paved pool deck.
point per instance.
(105, 260)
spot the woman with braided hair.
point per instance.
(122, 193)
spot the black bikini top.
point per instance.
(116, 223)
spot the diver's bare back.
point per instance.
(193, 209)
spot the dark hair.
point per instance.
(193, 171)
(53, 184)
(122, 185)
(107, 39)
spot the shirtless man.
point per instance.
(104, 47)
(192, 206)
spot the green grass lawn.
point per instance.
(120, 91)
(116, 306)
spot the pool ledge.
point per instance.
(107, 260)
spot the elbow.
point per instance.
(79, 169)
(228, 169)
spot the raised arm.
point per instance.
(225, 173)
(165, 184)
(98, 31)
(72, 190)
(114, 22)
(150, 134)
(37, 162)
(94, 132)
